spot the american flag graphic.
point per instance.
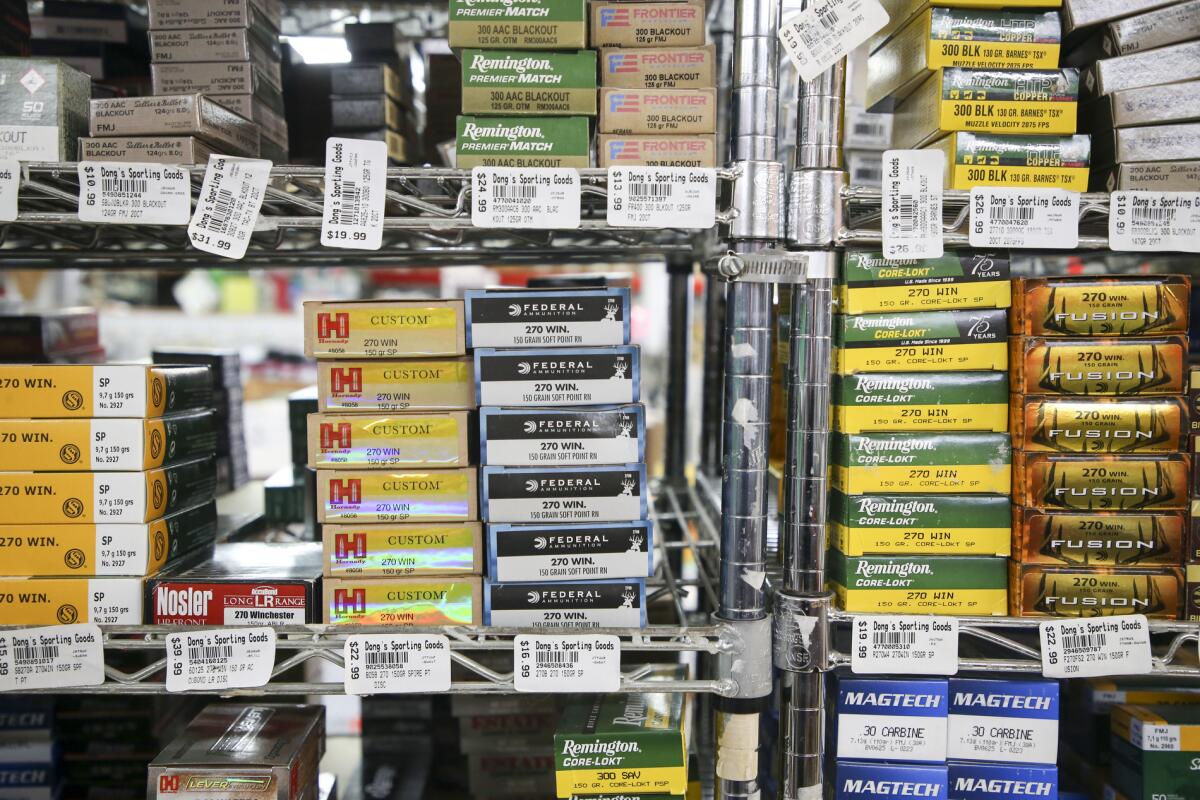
(624, 151)
(622, 62)
(614, 18)
(623, 102)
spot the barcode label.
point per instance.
(28, 653)
(128, 193)
(198, 654)
(1080, 642)
(227, 209)
(1010, 214)
(1154, 221)
(54, 657)
(914, 645)
(1095, 647)
(817, 38)
(867, 131)
(225, 658)
(912, 203)
(543, 663)
(1031, 218)
(556, 658)
(514, 192)
(355, 191)
(222, 210)
(656, 190)
(394, 663)
(893, 638)
(386, 659)
(1156, 216)
(10, 188)
(124, 185)
(543, 198)
(906, 213)
(662, 197)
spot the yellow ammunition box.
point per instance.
(1098, 539)
(404, 601)
(868, 283)
(389, 441)
(921, 341)
(1037, 590)
(962, 585)
(384, 328)
(1003, 159)
(1124, 367)
(1051, 481)
(1099, 425)
(105, 445)
(67, 601)
(396, 551)
(51, 391)
(915, 401)
(353, 496)
(920, 463)
(901, 12)
(409, 385)
(1137, 305)
(932, 524)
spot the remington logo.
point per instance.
(482, 63)
(512, 133)
(875, 505)
(901, 569)
(871, 383)
(871, 446)
(866, 322)
(634, 712)
(870, 261)
(610, 748)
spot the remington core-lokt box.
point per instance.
(352, 496)
(389, 441)
(396, 385)
(868, 283)
(1003, 720)
(562, 437)
(404, 601)
(522, 142)
(547, 317)
(920, 463)
(579, 604)
(1099, 425)
(1114, 367)
(658, 68)
(384, 328)
(570, 552)
(917, 401)
(921, 341)
(71, 391)
(649, 24)
(1107, 539)
(611, 493)
(522, 82)
(105, 445)
(519, 24)
(920, 584)
(402, 550)
(1039, 591)
(558, 376)
(932, 524)
(1053, 481)
(881, 719)
(67, 601)
(1135, 305)
(1004, 159)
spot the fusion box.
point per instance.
(1051, 481)
(175, 115)
(970, 781)
(518, 24)
(558, 376)
(1100, 425)
(879, 719)
(868, 283)
(384, 328)
(934, 524)
(570, 552)
(1099, 367)
(522, 142)
(145, 149)
(1111, 539)
(656, 151)
(1004, 720)
(353, 496)
(658, 67)
(67, 601)
(578, 605)
(1156, 751)
(105, 445)
(402, 385)
(520, 82)
(650, 24)
(73, 391)
(962, 585)
(858, 780)
(670, 111)
(914, 401)
(1001, 159)
(562, 437)
(610, 493)
(1143, 305)
(925, 463)
(396, 441)
(547, 318)
(44, 105)
(921, 341)
(397, 551)
(404, 601)
(1048, 591)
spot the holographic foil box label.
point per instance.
(392, 441)
(1052, 481)
(384, 328)
(447, 495)
(404, 601)
(891, 719)
(1099, 425)
(562, 437)
(1099, 539)
(1143, 305)
(570, 552)
(1123, 367)
(404, 385)
(1004, 720)
(390, 550)
(564, 494)
(1046, 591)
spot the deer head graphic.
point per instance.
(619, 370)
(627, 595)
(610, 310)
(626, 428)
(627, 484)
(635, 542)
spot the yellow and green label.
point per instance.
(916, 401)
(921, 463)
(868, 283)
(921, 341)
(1001, 159)
(919, 524)
(522, 142)
(518, 24)
(524, 82)
(918, 584)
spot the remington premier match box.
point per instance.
(515, 82)
(565, 436)
(514, 141)
(868, 283)
(519, 24)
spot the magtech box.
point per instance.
(921, 341)
(175, 115)
(384, 328)
(920, 584)
(522, 142)
(1039, 591)
(563, 494)
(352, 496)
(518, 24)
(1051, 481)
(1110, 539)
(1003, 720)
(60, 390)
(105, 445)
(522, 82)
(563, 437)
(912, 463)
(917, 401)
(404, 601)
(933, 524)
(149, 149)
(868, 283)
(865, 780)
(625, 24)
(881, 719)
(973, 781)
(656, 151)
(378, 550)
(400, 385)
(658, 67)
(547, 317)
(558, 376)
(1156, 750)
(67, 601)
(389, 441)
(1002, 159)
(1120, 367)
(670, 111)
(570, 552)
(1133, 305)
(1100, 425)
(576, 605)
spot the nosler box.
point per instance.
(68, 390)
(403, 385)
(178, 115)
(1177, 62)
(617, 23)
(1114, 367)
(1099, 425)
(521, 82)
(1057, 591)
(611, 493)
(44, 108)
(656, 151)
(659, 67)
(921, 463)
(869, 283)
(671, 111)
(562, 437)
(971, 585)
(404, 601)
(105, 445)
(383, 328)
(522, 142)
(558, 376)
(1019, 720)
(570, 552)
(931, 524)
(1001, 159)
(547, 317)
(353, 496)
(921, 341)
(917, 401)
(67, 601)
(145, 149)
(1156, 751)
(519, 24)
(1051, 481)
(575, 605)
(394, 551)
(1104, 539)
(396, 441)
(1134, 305)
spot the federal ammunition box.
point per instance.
(67, 601)
(959, 585)
(1099, 425)
(948, 37)
(1002, 781)
(562, 437)
(869, 283)
(1050, 481)
(1156, 751)
(519, 24)
(520, 82)
(558, 376)
(889, 718)
(921, 341)
(177, 115)
(398, 441)
(353, 113)
(670, 111)
(649, 24)
(988, 101)
(404, 601)
(105, 445)
(921, 463)
(1193, 592)
(396, 551)
(1156, 143)
(915, 401)
(1159, 176)
(1019, 720)
(408, 385)
(145, 149)
(547, 317)
(998, 159)
(861, 780)
(1141, 305)
(219, 81)
(570, 552)
(1121, 367)
(169, 14)
(1177, 62)
(384, 328)
(1049, 591)
(1145, 105)
(659, 67)
(656, 151)
(353, 496)
(575, 605)
(365, 79)
(1106, 539)
(611, 493)
(522, 142)
(44, 107)
(71, 391)
(934, 524)
(46, 333)
(253, 45)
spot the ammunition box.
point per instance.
(354, 496)
(175, 115)
(1050, 481)
(1156, 143)
(1193, 593)
(258, 46)
(921, 463)
(365, 79)
(409, 385)
(1082, 13)
(1003, 781)
(935, 524)
(574, 605)
(72, 391)
(914, 401)
(671, 24)
(921, 341)
(1175, 23)
(384, 328)
(1013, 720)
(1144, 105)
(145, 149)
(1094, 425)
(352, 113)
(399, 441)
(988, 101)
(902, 11)
(1171, 64)
(522, 142)
(520, 82)
(68, 601)
(105, 445)
(562, 437)
(1122, 367)
(1099, 539)
(404, 601)
(868, 283)
(671, 111)
(1164, 176)
(1000, 159)
(1156, 751)
(659, 67)
(44, 334)
(612, 493)
(171, 14)
(1144, 305)
(219, 81)
(396, 551)
(561, 376)
(570, 552)
(547, 317)
(861, 780)
(1050, 591)
(656, 151)
(44, 107)
(960, 585)
(519, 24)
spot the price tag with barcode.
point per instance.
(355, 184)
(911, 645)
(220, 659)
(912, 203)
(662, 197)
(134, 194)
(567, 663)
(506, 197)
(10, 187)
(867, 131)
(227, 209)
(1043, 219)
(1096, 647)
(54, 657)
(396, 663)
(1154, 221)
(817, 38)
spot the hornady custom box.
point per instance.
(241, 583)
(934, 524)
(391, 550)
(105, 445)
(862, 780)
(658, 68)
(558, 376)
(56, 391)
(352, 496)
(1114, 367)
(67, 601)
(1156, 751)
(562, 437)
(1052, 481)
(522, 142)
(650, 24)
(146, 149)
(518, 24)
(178, 115)
(656, 151)
(920, 584)
(908, 463)
(400, 385)
(1134, 305)
(566, 604)
(547, 317)
(389, 441)
(1112, 539)
(404, 601)
(891, 720)
(973, 781)
(521, 82)
(869, 283)
(570, 552)
(1099, 425)
(608, 493)
(261, 751)
(921, 341)
(917, 401)
(677, 111)
(1001, 159)
(44, 105)
(168, 14)
(1003, 720)
(1051, 591)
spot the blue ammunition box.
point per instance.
(547, 317)
(1003, 720)
(975, 781)
(856, 780)
(578, 605)
(891, 720)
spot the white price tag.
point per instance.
(10, 186)
(396, 663)
(1031, 218)
(134, 194)
(355, 183)
(567, 663)
(220, 659)
(506, 197)
(815, 39)
(912, 203)
(662, 197)
(54, 657)
(227, 210)
(911, 645)
(1096, 647)
(1154, 221)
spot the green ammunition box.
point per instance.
(1000, 159)
(964, 585)
(922, 341)
(1099, 424)
(900, 12)
(916, 401)
(933, 524)
(1156, 751)
(519, 24)
(522, 142)
(517, 82)
(868, 283)
(921, 463)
